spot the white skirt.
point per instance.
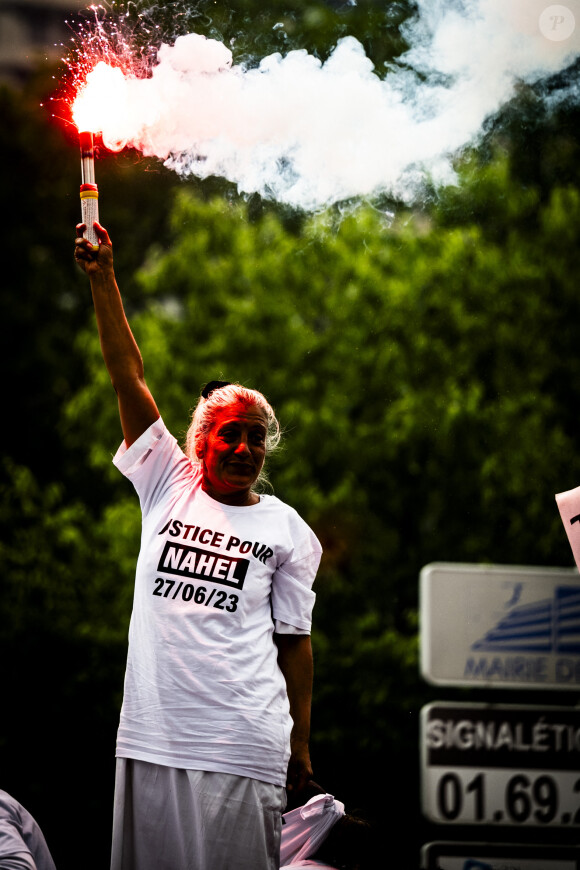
(170, 819)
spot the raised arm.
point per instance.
(122, 357)
(295, 661)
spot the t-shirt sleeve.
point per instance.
(11, 840)
(22, 843)
(19, 836)
(154, 463)
(18, 861)
(292, 595)
(284, 628)
(11, 832)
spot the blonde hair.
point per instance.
(205, 412)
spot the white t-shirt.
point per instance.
(203, 689)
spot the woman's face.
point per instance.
(234, 452)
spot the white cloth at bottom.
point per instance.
(299, 865)
(171, 819)
(306, 828)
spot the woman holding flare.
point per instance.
(216, 709)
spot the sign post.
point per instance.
(501, 767)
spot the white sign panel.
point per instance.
(498, 856)
(499, 626)
(485, 764)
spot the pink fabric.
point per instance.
(569, 507)
(306, 828)
(306, 863)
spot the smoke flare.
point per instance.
(309, 133)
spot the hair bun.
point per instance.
(213, 385)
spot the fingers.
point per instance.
(85, 255)
(83, 248)
(102, 234)
(299, 773)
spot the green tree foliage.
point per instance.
(253, 29)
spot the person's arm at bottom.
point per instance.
(295, 661)
(17, 861)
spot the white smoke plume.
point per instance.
(309, 134)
